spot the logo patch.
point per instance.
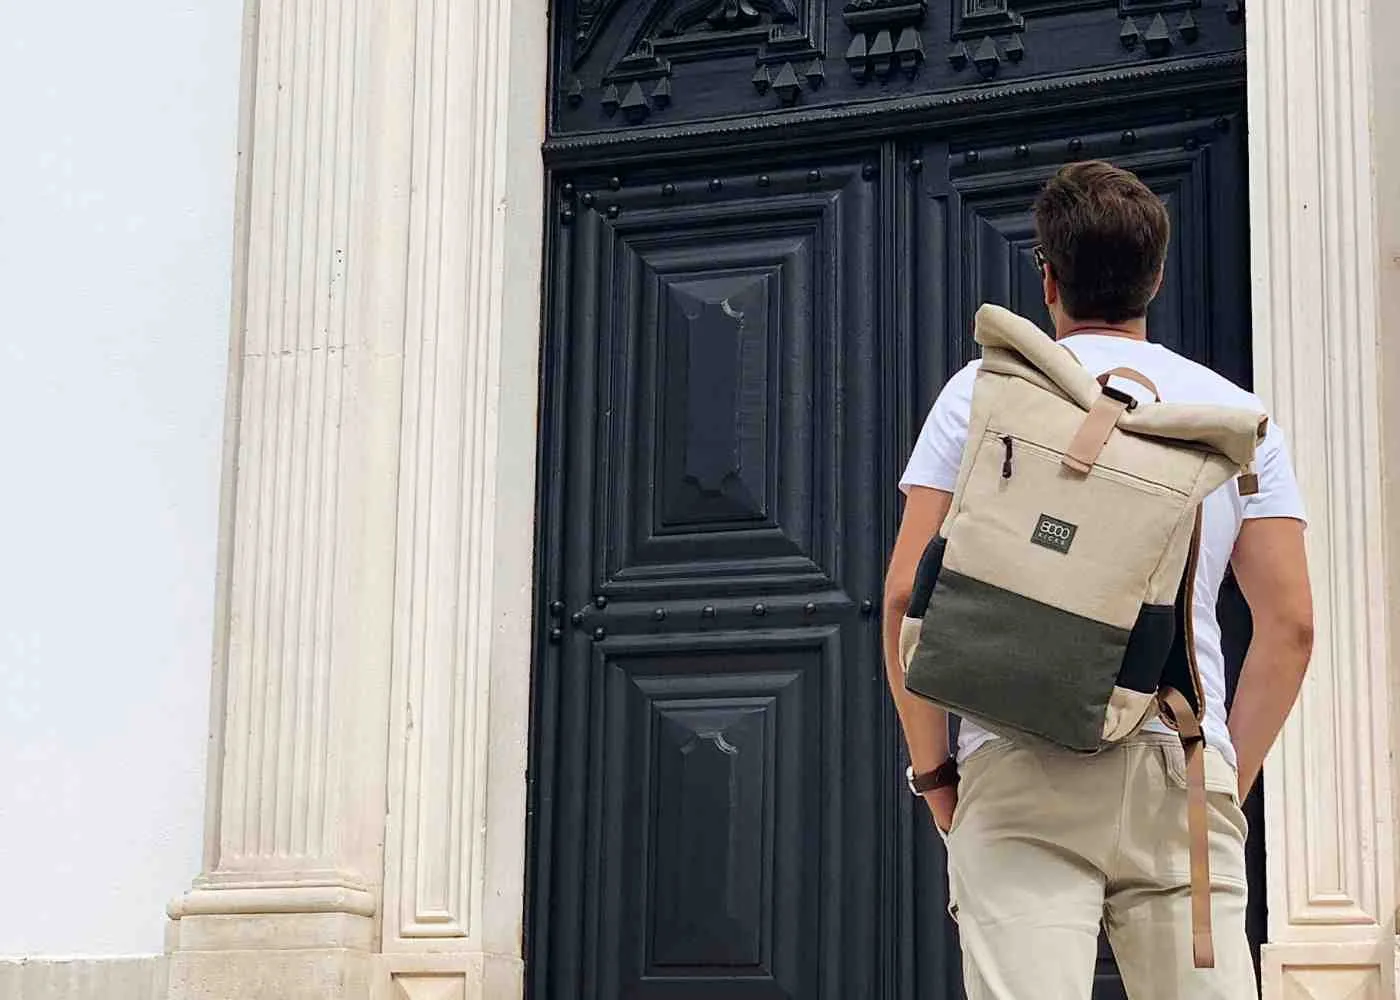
(1052, 533)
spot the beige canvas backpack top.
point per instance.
(1054, 605)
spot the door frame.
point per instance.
(1303, 268)
(420, 123)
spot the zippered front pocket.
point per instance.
(1011, 444)
(1086, 543)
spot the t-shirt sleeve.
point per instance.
(938, 451)
(1278, 494)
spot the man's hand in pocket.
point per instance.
(942, 802)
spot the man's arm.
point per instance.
(925, 725)
(1271, 565)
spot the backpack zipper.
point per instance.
(1107, 472)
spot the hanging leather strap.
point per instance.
(1179, 714)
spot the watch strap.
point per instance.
(942, 776)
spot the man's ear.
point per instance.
(1052, 287)
(1161, 277)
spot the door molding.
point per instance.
(869, 120)
(1317, 272)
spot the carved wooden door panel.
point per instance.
(770, 224)
(972, 234)
(715, 794)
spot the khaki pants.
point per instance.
(1046, 845)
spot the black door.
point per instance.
(770, 224)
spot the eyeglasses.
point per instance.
(1041, 261)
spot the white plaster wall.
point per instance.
(116, 212)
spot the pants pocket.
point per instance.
(1221, 778)
(973, 773)
(1227, 818)
(1227, 807)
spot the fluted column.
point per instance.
(1316, 267)
(288, 899)
(366, 827)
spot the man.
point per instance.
(1044, 845)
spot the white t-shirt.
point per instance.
(938, 453)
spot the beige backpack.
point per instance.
(1054, 605)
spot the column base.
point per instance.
(283, 942)
(276, 918)
(467, 976)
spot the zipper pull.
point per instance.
(1006, 464)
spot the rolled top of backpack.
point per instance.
(1013, 345)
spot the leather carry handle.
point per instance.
(1132, 376)
(1127, 373)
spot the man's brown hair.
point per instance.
(1104, 235)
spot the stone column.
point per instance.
(1385, 121)
(288, 895)
(1385, 75)
(373, 653)
(1316, 269)
(455, 858)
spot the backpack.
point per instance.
(1054, 604)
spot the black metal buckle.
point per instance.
(1118, 395)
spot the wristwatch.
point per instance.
(942, 776)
